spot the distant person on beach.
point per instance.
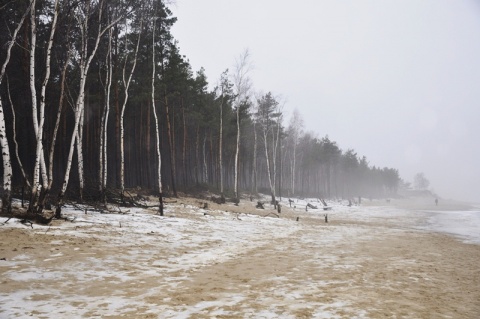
(436, 201)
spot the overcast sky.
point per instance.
(397, 81)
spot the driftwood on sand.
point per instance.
(23, 214)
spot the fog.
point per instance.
(397, 81)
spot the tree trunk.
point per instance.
(85, 60)
(79, 145)
(197, 142)
(237, 153)
(157, 131)
(205, 166)
(126, 84)
(40, 151)
(14, 129)
(7, 165)
(254, 168)
(242, 85)
(184, 150)
(36, 168)
(220, 150)
(103, 155)
(170, 145)
(269, 172)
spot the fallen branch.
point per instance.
(24, 215)
(26, 221)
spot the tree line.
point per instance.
(96, 98)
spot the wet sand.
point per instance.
(351, 267)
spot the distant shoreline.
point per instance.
(423, 204)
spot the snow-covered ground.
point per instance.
(225, 262)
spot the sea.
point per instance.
(462, 224)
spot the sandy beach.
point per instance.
(368, 261)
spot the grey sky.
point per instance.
(397, 81)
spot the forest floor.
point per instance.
(369, 261)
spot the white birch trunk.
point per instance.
(33, 92)
(254, 170)
(122, 159)
(104, 129)
(79, 145)
(243, 86)
(57, 121)
(294, 161)
(126, 85)
(220, 151)
(295, 128)
(157, 147)
(102, 174)
(40, 155)
(275, 143)
(14, 129)
(104, 151)
(7, 165)
(86, 59)
(272, 186)
(275, 138)
(38, 114)
(237, 154)
(78, 110)
(157, 131)
(45, 83)
(224, 89)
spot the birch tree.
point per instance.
(269, 119)
(103, 160)
(79, 147)
(294, 131)
(276, 136)
(83, 13)
(7, 164)
(242, 87)
(33, 46)
(38, 111)
(170, 139)
(39, 155)
(224, 89)
(157, 131)
(58, 116)
(38, 118)
(126, 80)
(14, 129)
(255, 149)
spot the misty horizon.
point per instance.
(396, 82)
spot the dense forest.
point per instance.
(96, 99)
